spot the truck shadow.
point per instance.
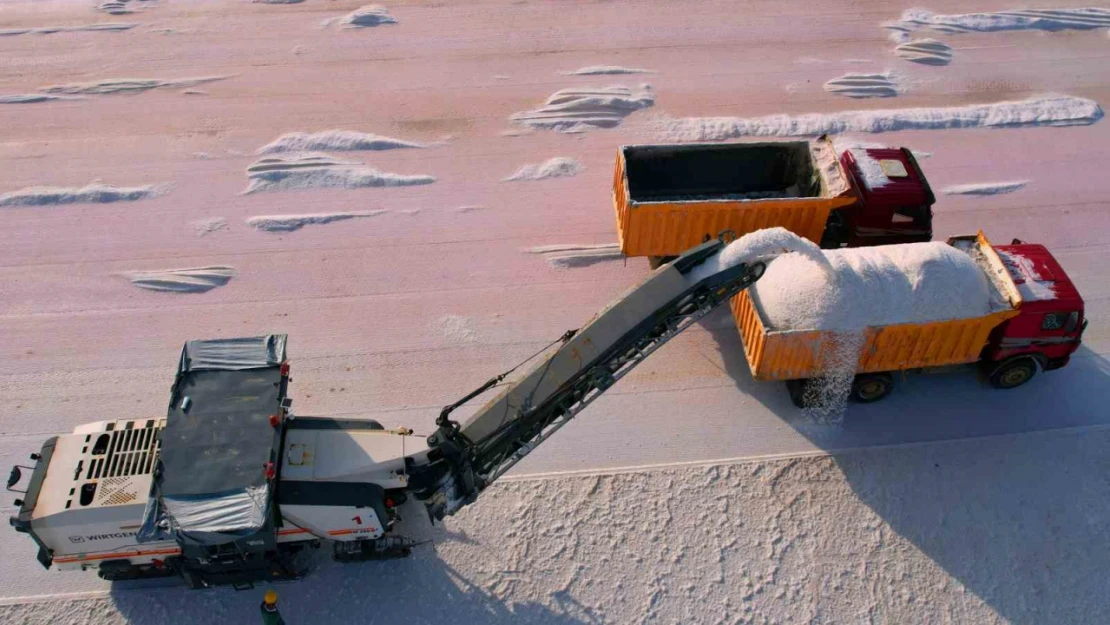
(1012, 525)
(419, 589)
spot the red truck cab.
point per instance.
(1050, 325)
(899, 211)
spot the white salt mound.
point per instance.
(308, 170)
(578, 109)
(606, 70)
(191, 280)
(50, 30)
(368, 16)
(1051, 20)
(32, 98)
(857, 85)
(558, 167)
(204, 227)
(334, 140)
(925, 52)
(129, 85)
(93, 193)
(289, 223)
(759, 245)
(985, 188)
(857, 288)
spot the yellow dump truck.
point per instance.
(1038, 327)
(669, 198)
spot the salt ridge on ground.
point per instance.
(290, 223)
(129, 85)
(309, 170)
(1042, 111)
(190, 280)
(334, 141)
(93, 193)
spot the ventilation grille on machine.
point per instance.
(130, 451)
(111, 458)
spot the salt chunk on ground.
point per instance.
(760, 245)
(873, 286)
(368, 16)
(558, 167)
(985, 188)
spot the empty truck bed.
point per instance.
(668, 198)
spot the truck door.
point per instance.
(1060, 335)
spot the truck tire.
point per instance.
(798, 394)
(1013, 372)
(655, 262)
(871, 387)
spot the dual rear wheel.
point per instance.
(866, 388)
(871, 387)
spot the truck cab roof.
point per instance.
(905, 184)
(1038, 275)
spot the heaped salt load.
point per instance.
(671, 197)
(1010, 308)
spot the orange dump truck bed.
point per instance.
(668, 198)
(797, 354)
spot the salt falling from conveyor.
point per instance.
(760, 245)
(845, 291)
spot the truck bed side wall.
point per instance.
(786, 355)
(670, 228)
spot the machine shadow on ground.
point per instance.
(1013, 527)
(419, 589)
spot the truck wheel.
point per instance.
(1013, 373)
(655, 262)
(871, 387)
(797, 390)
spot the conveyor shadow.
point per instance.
(1013, 526)
(422, 588)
